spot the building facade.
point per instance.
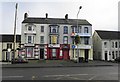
(106, 45)
(6, 46)
(53, 38)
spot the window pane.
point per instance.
(105, 44)
(76, 30)
(86, 30)
(65, 30)
(41, 39)
(29, 28)
(86, 40)
(112, 44)
(29, 39)
(42, 28)
(65, 40)
(116, 44)
(79, 29)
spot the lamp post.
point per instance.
(9, 50)
(15, 32)
(77, 34)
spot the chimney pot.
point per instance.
(46, 15)
(25, 15)
(66, 16)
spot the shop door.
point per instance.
(86, 54)
(54, 53)
(65, 54)
(106, 56)
(42, 53)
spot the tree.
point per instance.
(77, 39)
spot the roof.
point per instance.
(55, 21)
(9, 38)
(112, 35)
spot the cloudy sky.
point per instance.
(102, 14)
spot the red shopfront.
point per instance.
(65, 51)
(58, 52)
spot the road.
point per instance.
(63, 73)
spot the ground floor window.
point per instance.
(54, 53)
(113, 55)
(30, 52)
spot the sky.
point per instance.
(102, 14)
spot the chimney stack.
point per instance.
(25, 15)
(66, 16)
(46, 15)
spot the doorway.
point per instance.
(42, 53)
(86, 55)
(54, 53)
(105, 55)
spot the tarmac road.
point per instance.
(69, 73)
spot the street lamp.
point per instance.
(14, 44)
(9, 50)
(77, 34)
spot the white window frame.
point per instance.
(65, 39)
(32, 38)
(41, 39)
(31, 28)
(65, 30)
(86, 30)
(42, 29)
(105, 44)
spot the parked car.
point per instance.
(19, 60)
(117, 59)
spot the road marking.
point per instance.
(12, 76)
(92, 77)
(67, 75)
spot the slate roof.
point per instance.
(112, 35)
(9, 38)
(55, 21)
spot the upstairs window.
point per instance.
(65, 39)
(54, 30)
(29, 28)
(86, 41)
(112, 44)
(105, 44)
(41, 39)
(76, 29)
(29, 39)
(80, 29)
(116, 44)
(42, 28)
(65, 30)
(86, 30)
(9, 45)
(119, 44)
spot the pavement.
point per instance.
(57, 63)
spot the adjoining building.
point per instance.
(53, 38)
(106, 45)
(6, 46)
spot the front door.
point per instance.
(42, 53)
(65, 54)
(105, 55)
(86, 55)
(54, 53)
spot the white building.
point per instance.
(106, 45)
(6, 46)
(52, 38)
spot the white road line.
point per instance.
(67, 75)
(12, 76)
(92, 77)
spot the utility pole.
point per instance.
(14, 45)
(77, 34)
